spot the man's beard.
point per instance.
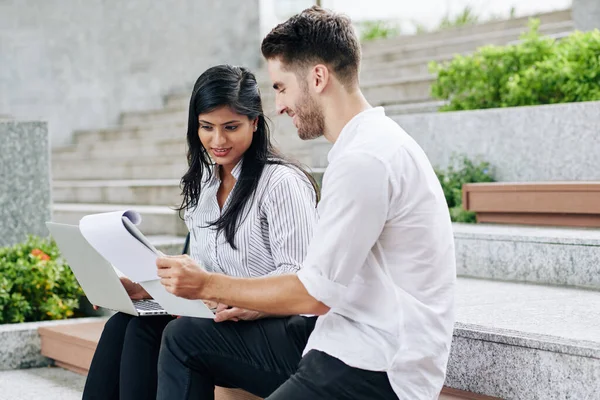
(310, 119)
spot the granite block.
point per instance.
(537, 143)
(524, 341)
(556, 256)
(25, 197)
(20, 344)
(514, 372)
(568, 313)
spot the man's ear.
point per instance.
(320, 77)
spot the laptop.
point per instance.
(97, 277)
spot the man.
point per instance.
(380, 270)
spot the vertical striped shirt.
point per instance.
(274, 233)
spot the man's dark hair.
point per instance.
(316, 36)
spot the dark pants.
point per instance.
(263, 357)
(127, 352)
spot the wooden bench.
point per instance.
(72, 347)
(574, 204)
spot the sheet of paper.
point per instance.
(107, 233)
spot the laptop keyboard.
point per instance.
(147, 305)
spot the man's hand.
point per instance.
(181, 276)
(224, 313)
(134, 290)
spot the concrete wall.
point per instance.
(79, 63)
(540, 143)
(25, 198)
(586, 14)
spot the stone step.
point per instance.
(124, 148)
(137, 192)
(156, 220)
(117, 169)
(161, 117)
(525, 341)
(456, 45)
(542, 255)
(174, 131)
(414, 108)
(471, 30)
(41, 383)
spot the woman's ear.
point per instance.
(255, 124)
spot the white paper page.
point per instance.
(109, 236)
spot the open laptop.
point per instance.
(97, 277)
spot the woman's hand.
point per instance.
(224, 313)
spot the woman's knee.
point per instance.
(116, 326)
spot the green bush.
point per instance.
(537, 70)
(35, 283)
(460, 171)
(372, 30)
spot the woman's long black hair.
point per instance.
(235, 87)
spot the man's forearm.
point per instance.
(278, 295)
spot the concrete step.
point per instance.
(156, 220)
(124, 148)
(400, 68)
(160, 117)
(542, 255)
(456, 45)
(395, 91)
(137, 192)
(149, 133)
(48, 383)
(117, 169)
(525, 341)
(471, 30)
(413, 108)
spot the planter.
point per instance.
(575, 204)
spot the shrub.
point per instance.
(460, 171)
(35, 283)
(537, 70)
(372, 30)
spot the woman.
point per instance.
(249, 211)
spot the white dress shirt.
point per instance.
(382, 258)
(274, 234)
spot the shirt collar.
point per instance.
(236, 171)
(349, 130)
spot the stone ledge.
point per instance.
(555, 256)
(21, 344)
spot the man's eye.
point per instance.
(282, 91)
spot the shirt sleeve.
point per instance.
(353, 211)
(292, 215)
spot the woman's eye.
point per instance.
(231, 128)
(206, 127)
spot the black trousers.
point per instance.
(127, 352)
(263, 357)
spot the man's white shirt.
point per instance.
(382, 258)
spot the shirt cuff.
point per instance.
(327, 292)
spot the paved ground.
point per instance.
(40, 383)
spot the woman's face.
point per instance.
(226, 135)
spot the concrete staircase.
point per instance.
(139, 163)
